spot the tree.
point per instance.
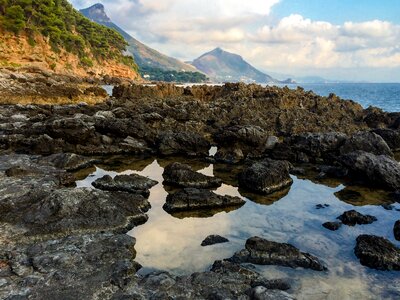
(14, 19)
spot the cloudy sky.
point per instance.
(336, 39)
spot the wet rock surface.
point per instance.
(214, 239)
(133, 183)
(264, 252)
(377, 253)
(266, 177)
(353, 218)
(181, 175)
(198, 199)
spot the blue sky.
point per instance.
(338, 39)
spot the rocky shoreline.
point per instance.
(62, 242)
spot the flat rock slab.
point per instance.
(266, 177)
(182, 175)
(263, 252)
(126, 183)
(214, 239)
(353, 217)
(377, 253)
(198, 199)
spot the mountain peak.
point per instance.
(96, 13)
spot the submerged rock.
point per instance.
(263, 252)
(181, 175)
(133, 183)
(266, 177)
(396, 230)
(333, 226)
(214, 239)
(377, 253)
(353, 217)
(381, 171)
(197, 199)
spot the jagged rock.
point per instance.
(377, 253)
(263, 252)
(182, 175)
(333, 226)
(214, 239)
(381, 171)
(353, 217)
(133, 183)
(183, 143)
(197, 199)
(266, 177)
(368, 142)
(396, 230)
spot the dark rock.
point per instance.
(266, 177)
(377, 253)
(214, 239)
(391, 137)
(396, 230)
(69, 161)
(182, 143)
(348, 195)
(381, 171)
(332, 225)
(263, 252)
(126, 183)
(322, 206)
(298, 171)
(181, 175)
(353, 217)
(198, 199)
(368, 142)
(388, 206)
(332, 171)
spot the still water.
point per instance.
(172, 243)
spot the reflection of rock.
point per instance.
(265, 199)
(377, 253)
(214, 239)
(126, 183)
(349, 196)
(360, 196)
(332, 225)
(396, 230)
(198, 199)
(266, 177)
(353, 217)
(181, 175)
(264, 252)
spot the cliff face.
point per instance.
(19, 51)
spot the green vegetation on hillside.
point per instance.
(156, 74)
(65, 27)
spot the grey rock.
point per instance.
(181, 175)
(368, 142)
(182, 143)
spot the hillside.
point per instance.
(150, 61)
(53, 35)
(223, 66)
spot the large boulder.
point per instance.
(265, 177)
(353, 217)
(368, 142)
(182, 175)
(182, 143)
(263, 252)
(391, 137)
(197, 199)
(381, 171)
(133, 183)
(377, 253)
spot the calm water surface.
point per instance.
(172, 243)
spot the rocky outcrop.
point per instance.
(133, 183)
(214, 239)
(198, 199)
(353, 217)
(181, 175)
(265, 177)
(381, 171)
(263, 252)
(377, 253)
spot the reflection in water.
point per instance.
(169, 243)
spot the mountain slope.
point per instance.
(144, 55)
(224, 66)
(53, 35)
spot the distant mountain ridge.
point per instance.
(223, 66)
(144, 55)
